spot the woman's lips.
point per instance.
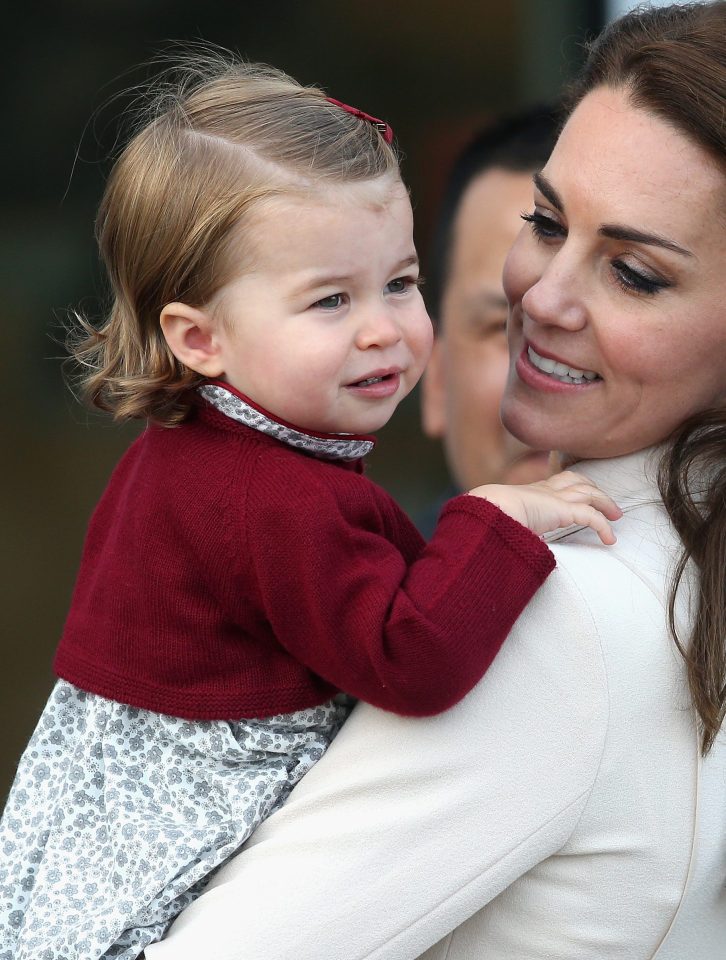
(554, 376)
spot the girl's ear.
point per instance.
(191, 336)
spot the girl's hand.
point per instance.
(562, 500)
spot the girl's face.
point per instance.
(327, 329)
(617, 287)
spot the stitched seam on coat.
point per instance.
(501, 861)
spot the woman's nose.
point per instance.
(378, 328)
(555, 299)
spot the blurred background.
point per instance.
(436, 71)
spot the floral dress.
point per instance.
(118, 816)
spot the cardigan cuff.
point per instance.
(520, 539)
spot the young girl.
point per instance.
(266, 319)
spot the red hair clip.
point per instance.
(385, 129)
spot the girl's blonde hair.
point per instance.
(219, 136)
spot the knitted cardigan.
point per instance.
(227, 574)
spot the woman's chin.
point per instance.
(529, 426)
(530, 467)
(559, 460)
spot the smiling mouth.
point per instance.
(560, 371)
(370, 381)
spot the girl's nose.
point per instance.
(554, 299)
(378, 329)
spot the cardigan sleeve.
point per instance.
(340, 596)
(407, 827)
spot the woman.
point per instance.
(573, 805)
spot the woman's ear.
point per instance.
(191, 336)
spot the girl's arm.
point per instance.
(348, 588)
(407, 827)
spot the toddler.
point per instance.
(242, 581)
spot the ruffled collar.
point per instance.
(331, 446)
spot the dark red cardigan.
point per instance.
(227, 575)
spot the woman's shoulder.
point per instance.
(640, 563)
(614, 601)
(642, 559)
(602, 612)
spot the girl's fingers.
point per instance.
(587, 516)
(602, 502)
(573, 486)
(588, 493)
(558, 481)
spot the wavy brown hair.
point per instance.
(216, 136)
(671, 61)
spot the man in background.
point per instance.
(489, 187)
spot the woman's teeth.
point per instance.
(560, 371)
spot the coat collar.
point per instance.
(630, 480)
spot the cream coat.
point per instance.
(560, 811)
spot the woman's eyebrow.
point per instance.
(612, 230)
(547, 190)
(616, 232)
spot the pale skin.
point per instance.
(624, 286)
(326, 329)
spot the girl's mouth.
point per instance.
(379, 384)
(371, 380)
(560, 371)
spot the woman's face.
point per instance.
(617, 286)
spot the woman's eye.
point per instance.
(332, 302)
(636, 282)
(544, 228)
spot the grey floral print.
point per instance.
(333, 448)
(118, 816)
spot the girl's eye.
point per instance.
(544, 228)
(636, 282)
(400, 284)
(332, 302)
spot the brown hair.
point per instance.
(217, 136)
(671, 61)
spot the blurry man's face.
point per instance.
(465, 379)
